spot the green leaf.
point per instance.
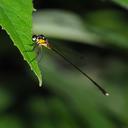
(110, 25)
(16, 19)
(123, 3)
(62, 25)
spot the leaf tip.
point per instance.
(40, 83)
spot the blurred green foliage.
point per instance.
(93, 35)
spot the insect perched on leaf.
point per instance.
(41, 41)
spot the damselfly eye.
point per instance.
(41, 37)
(34, 38)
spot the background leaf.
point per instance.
(123, 3)
(63, 25)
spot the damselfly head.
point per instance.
(40, 40)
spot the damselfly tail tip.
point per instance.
(106, 94)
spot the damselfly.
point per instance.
(41, 41)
